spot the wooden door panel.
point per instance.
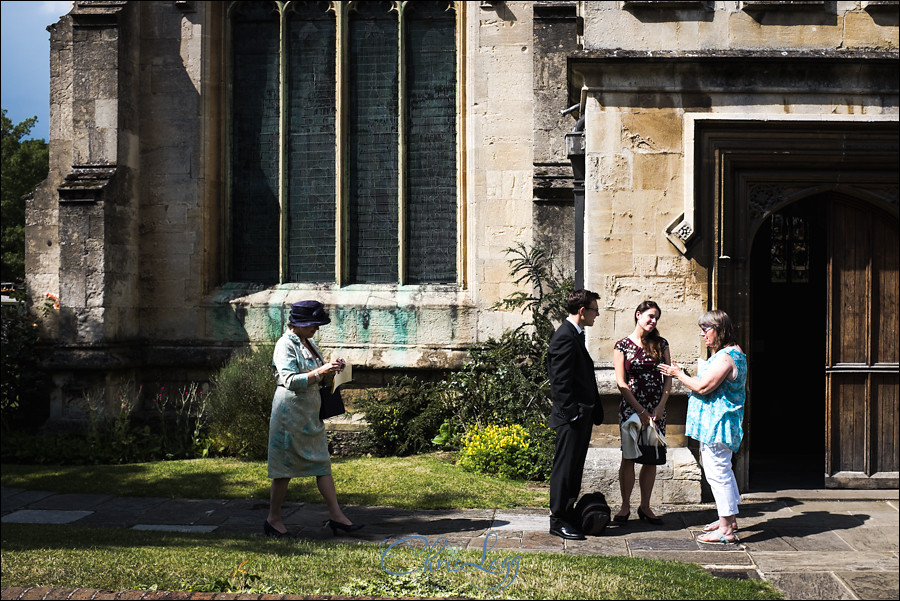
(850, 272)
(862, 354)
(886, 431)
(849, 395)
(886, 258)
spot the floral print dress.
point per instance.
(644, 379)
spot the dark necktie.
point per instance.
(581, 335)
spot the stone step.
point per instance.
(677, 481)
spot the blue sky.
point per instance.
(25, 61)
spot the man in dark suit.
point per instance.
(576, 407)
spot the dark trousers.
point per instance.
(572, 441)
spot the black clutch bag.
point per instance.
(651, 455)
(332, 403)
(652, 445)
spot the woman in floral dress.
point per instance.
(644, 392)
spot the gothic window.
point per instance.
(789, 249)
(343, 144)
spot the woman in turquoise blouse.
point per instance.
(298, 444)
(714, 418)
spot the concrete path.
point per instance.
(810, 544)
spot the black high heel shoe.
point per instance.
(270, 531)
(335, 526)
(620, 519)
(644, 516)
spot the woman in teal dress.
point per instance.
(298, 444)
(714, 418)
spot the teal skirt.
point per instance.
(298, 443)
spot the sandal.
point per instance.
(713, 526)
(720, 539)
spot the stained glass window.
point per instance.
(319, 188)
(789, 249)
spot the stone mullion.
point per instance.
(282, 143)
(401, 142)
(341, 148)
(461, 245)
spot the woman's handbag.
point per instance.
(332, 403)
(652, 445)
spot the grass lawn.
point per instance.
(419, 482)
(117, 559)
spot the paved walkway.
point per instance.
(810, 544)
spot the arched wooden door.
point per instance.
(861, 362)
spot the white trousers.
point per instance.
(717, 467)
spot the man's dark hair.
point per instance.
(580, 299)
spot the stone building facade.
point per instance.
(706, 138)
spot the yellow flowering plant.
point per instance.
(505, 451)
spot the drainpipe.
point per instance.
(575, 153)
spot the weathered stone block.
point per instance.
(678, 481)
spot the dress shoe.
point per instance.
(269, 530)
(567, 532)
(335, 526)
(644, 516)
(620, 519)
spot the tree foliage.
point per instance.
(25, 165)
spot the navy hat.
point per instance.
(308, 313)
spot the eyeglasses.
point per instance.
(706, 329)
(594, 309)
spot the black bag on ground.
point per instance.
(595, 513)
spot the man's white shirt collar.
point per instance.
(574, 323)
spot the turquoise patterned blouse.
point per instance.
(717, 417)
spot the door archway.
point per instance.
(745, 172)
(788, 312)
(824, 345)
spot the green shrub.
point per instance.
(405, 415)
(504, 382)
(240, 404)
(507, 451)
(119, 433)
(24, 387)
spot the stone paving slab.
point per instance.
(120, 511)
(44, 516)
(184, 511)
(813, 541)
(862, 540)
(662, 544)
(763, 541)
(810, 585)
(174, 528)
(600, 546)
(814, 561)
(71, 501)
(21, 498)
(504, 520)
(872, 585)
(704, 558)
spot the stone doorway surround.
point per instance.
(735, 135)
(749, 169)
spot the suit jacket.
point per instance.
(573, 385)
